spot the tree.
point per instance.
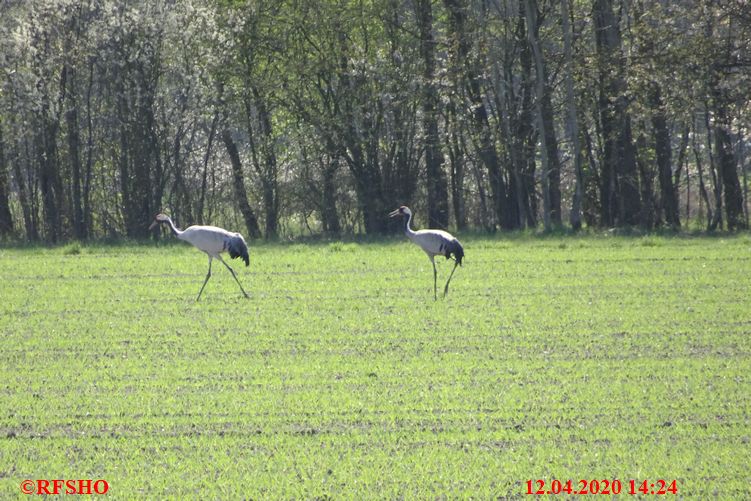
(551, 176)
(330, 114)
(619, 191)
(238, 178)
(438, 210)
(572, 121)
(663, 150)
(482, 134)
(6, 218)
(248, 77)
(722, 99)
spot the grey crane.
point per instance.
(211, 240)
(434, 243)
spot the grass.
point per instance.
(552, 358)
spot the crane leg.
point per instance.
(435, 280)
(446, 289)
(208, 275)
(234, 276)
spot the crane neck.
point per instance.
(407, 230)
(173, 228)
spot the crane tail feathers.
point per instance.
(238, 248)
(455, 248)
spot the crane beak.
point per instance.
(395, 213)
(153, 225)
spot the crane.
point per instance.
(434, 243)
(211, 240)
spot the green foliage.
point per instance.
(112, 110)
(552, 358)
(342, 247)
(72, 249)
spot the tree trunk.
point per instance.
(524, 144)
(140, 164)
(620, 185)
(514, 146)
(668, 193)
(702, 186)
(123, 158)
(49, 178)
(679, 169)
(438, 211)
(6, 219)
(456, 160)
(572, 125)
(367, 185)
(510, 119)
(329, 216)
(715, 221)
(180, 191)
(744, 170)
(241, 196)
(551, 175)
(726, 165)
(482, 134)
(269, 179)
(264, 158)
(204, 175)
(646, 179)
(360, 143)
(71, 117)
(86, 194)
(24, 199)
(591, 206)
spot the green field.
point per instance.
(552, 358)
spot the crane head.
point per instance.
(158, 219)
(401, 211)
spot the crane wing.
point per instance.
(438, 242)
